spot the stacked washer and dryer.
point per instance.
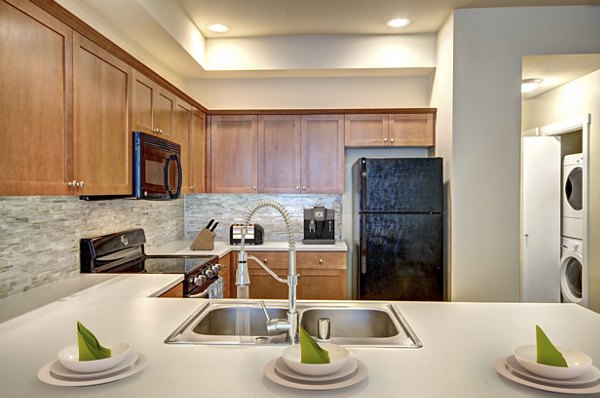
(573, 275)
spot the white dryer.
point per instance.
(573, 274)
(572, 196)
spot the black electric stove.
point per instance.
(123, 252)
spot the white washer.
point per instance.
(573, 275)
(572, 196)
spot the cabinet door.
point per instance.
(366, 130)
(181, 135)
(144, 91)
(164, 112)
(328, 284)
(102, 87)
(279, 154)
(412, 130)
(198, 152)
(323, 154)
(225, 273)
(35, 106)
(233, 150)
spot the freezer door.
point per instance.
(400, 185)
(400, 257)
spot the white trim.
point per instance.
(567, 126)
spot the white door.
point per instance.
(540, 270)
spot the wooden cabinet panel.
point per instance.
(264, 286)
(233, 153)
(164, 112)
(35, 101)
(225, 273)
(197, 160)
(102, 137)
(412, 130)
(144, 91)
(176, 291)
(322, 284)
(279, 154)
(366, 130)
(323, 154)
(181, 135)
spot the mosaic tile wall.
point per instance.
(228, 209)
(39, 236)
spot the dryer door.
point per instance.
(573, 192)
(571, 278)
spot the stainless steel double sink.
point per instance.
(243, 322)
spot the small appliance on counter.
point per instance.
(319, 226)
(254, 235)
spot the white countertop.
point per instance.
(182, 247)
(461, 341)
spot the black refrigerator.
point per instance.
(397, 229)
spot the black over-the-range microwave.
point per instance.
(156, 169)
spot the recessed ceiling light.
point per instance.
(218, 28)
(398, 22)
(528, 85)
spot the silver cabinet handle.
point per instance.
(73, 183)
(81, 184)
(385, 140)
(297, 188)
(304, 188)
(391, 140)
(265, 260)
(320, 261)
(254, 188)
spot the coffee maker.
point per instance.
(319, 226)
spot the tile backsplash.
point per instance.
(232, 208)
(39, 236)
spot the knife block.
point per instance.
(204, 241)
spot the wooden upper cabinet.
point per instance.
(197, 152)
(35, 106)
(366, 130)
(396, 129)
(279, 154)
(153, 107)
(412, 129)
(181, 134)
(322, 154)
(102, 128)
(233, 153)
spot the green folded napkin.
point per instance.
(310, 351)
(89, 347)
(547, 354)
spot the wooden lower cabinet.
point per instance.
(226, 274)
(322, 275)
(176, 291)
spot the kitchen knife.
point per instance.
(214, 226)
(212, 220)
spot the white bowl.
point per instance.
(338, 357)
(69, 358)
(578, 363)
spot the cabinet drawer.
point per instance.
(321, 260)
(274, 260)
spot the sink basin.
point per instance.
(359, 324)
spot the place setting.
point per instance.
(90, 363)
(545, 367)
(313, 365)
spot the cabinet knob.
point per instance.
(304, 188)
(254, 188)
(385, 140)
(265, 260)
(320, 261)
(81, 184)
(72, 183)
(297, 188)
(391, 140)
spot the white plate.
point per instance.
(58, 370)
(69, 358)
(46, 376)
(592, 375)
(360, 375)
(285, 371)
(500, 366)
(578, 363)
(338, 356)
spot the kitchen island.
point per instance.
(461, 341)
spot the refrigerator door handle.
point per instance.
(363, 245)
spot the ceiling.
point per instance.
(264, 19)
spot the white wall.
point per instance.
(309, 93)
(571, 100)
(441, 98)
(488, 47)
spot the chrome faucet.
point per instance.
(242, 278)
